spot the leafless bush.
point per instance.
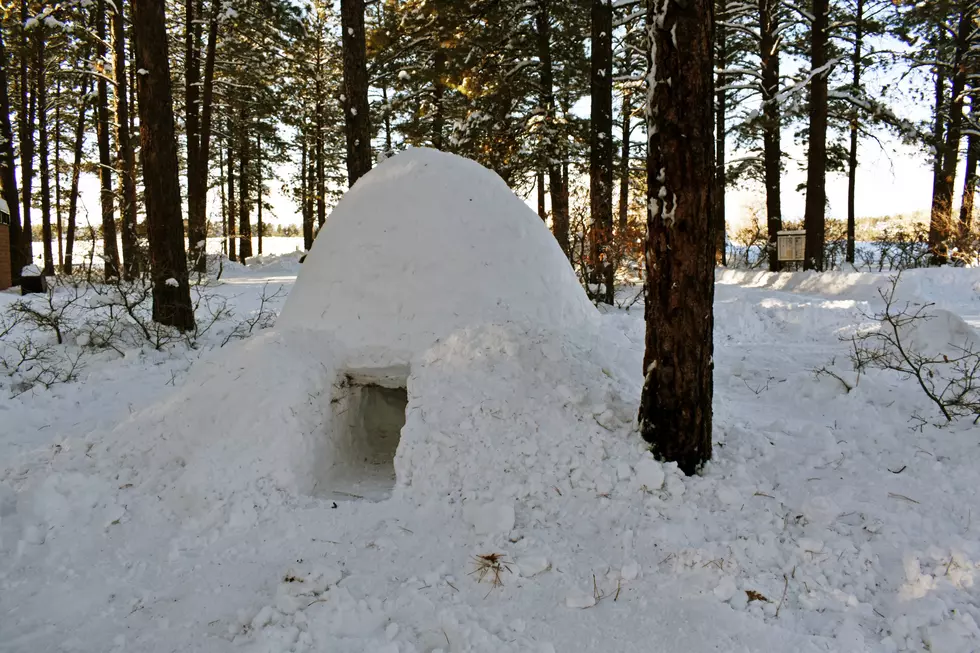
(263, 318)
(950, 379)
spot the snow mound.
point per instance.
(425, 244)
(506, 413)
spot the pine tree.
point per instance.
(675, 407)
(168, 260)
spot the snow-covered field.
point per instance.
(824, 522)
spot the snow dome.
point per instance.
(423, 245)
(433, 303)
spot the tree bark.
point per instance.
(44, 164)
(539, 186)
(244, 199)
(76, 169)
(306, 182)
(601, 148)
(624, 157)
(721, 108)
(168, 259)
(27, 108)
(852, 159)
(196, 184)
(816, 176)
(258, 188)
(204, 147)
(675, 407)
(559, 208)
(8, 176)
(438, 94)
(126, 157)
(941, 219)
(57, 173)
(110, 248)
(232, 204)
(771, 124)
(357, 114)
(969, 183)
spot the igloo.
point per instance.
(426, 246)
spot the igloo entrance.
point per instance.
(367, 413)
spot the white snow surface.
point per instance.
(386, 270)
(165, 501)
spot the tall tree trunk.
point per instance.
(125, 158)
(45, 170)
(675, 407)
(258, 188)
(27, 108)
(244, 199)
(816, 175)
(601, 148)
(357, 111)
(168, 260)
(771, 124)
(721, 127)
(941, 219)
(196, 184)
(224, 205)
(306, 192)
(8, 175)
(110, 248)
(852, 156)
(387, 118)
(204, 148)
(76, 169)
(559, 208)
(539, 186)
(438, 94)
(232, 204)
(969, 183)
(57, 173)
(624, 157)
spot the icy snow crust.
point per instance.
(425, 244)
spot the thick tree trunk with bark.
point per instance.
(44, 165)
(357, 114)
(76, 169)
(941, 218)
(771, 123)
(601, 148)
(110, 248)
(721, 107)
(559, 207)
(8, 176)
(816, 176)
(126, 158)
(675, 408)
(168, 259)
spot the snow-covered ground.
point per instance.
(825, 522)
